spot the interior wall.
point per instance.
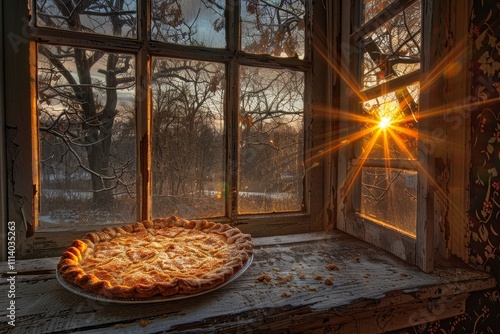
(484, 215)
(483, 308)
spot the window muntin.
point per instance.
(87, 146)
(194, 23)
(373, 7)
(188, 138)
(271, 140)
(393, 49)
(273, 27)
(117, 18)
(212, 184)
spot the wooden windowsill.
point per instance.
(371, 291)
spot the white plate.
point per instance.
(157, 299)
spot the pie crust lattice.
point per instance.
(161, 257)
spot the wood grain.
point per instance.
(326, 282)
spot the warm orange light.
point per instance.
(384, 122)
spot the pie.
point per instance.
(161, 257)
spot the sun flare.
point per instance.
(384, 123)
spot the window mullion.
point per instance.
(143, 115)
(425, 193)
(356, 59)
(344, 200)
(232, 108)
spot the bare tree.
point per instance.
(274, 27)
(187, 123)
(86, 109)
(271, 139)
(78, 98)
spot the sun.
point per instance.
(384, 123)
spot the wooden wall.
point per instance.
(482, 105)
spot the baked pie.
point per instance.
(162, 257)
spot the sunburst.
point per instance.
(389, 126)
(384, 123)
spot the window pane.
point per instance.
(373, 7)
(117, 18)
(188, 138)
(271, 140)
(390, 196)
(200, 22)
(393, 49)
(87, 136)
(392, 120)
(274, 27)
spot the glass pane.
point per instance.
(392, 121)
(200, 22)
(274, 27)
(372, 7)
(271, 140)
(390, 196)
(393, 49)
(117, 18)
(87, 136)
(188, 138)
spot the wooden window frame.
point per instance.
(444, 153)
(24, 36)
(327, 167)
(418, 250)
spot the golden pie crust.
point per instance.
(162, 257)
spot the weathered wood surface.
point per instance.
(370, 289)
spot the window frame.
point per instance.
(326, 166)
(419, 250)
(24, 37)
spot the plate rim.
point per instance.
(155, 299)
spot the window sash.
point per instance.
(144, 49)
(417, 250)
